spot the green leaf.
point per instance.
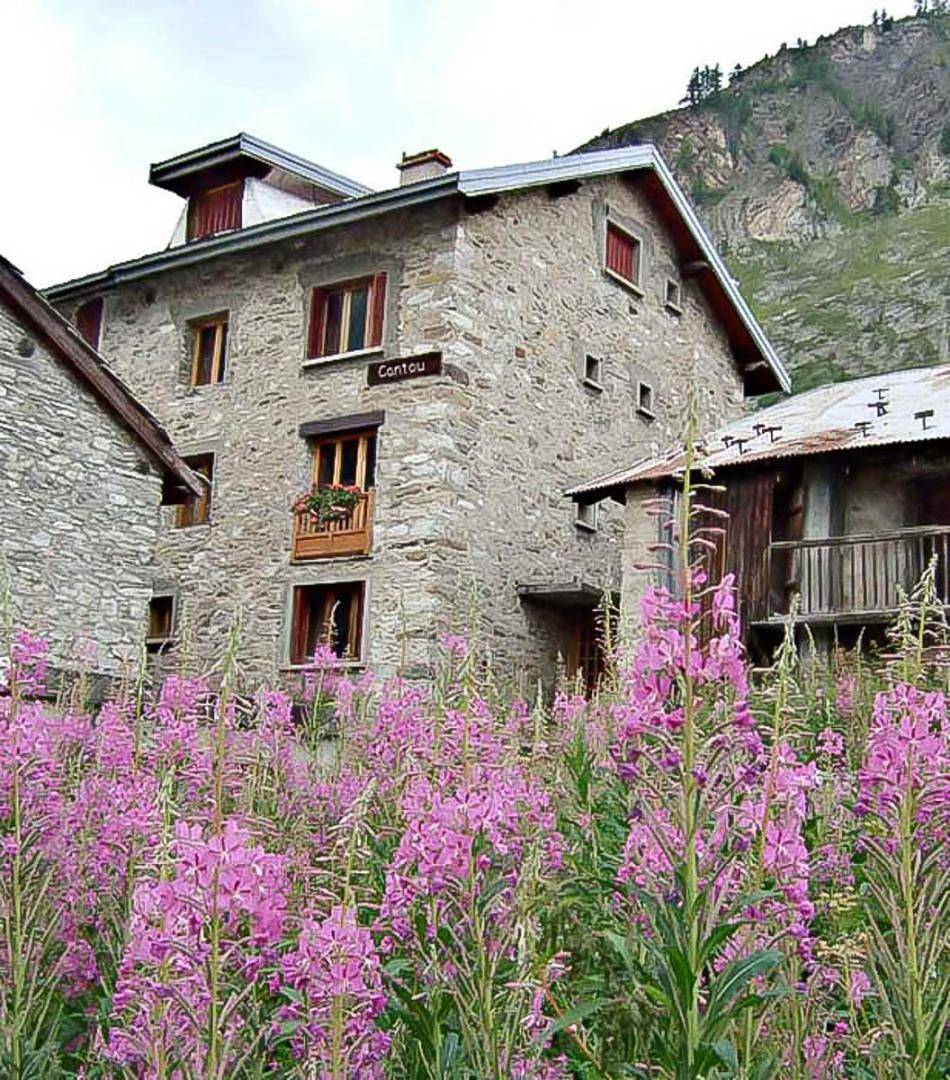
(734, 979)
(572, 1016)
(726, 1052)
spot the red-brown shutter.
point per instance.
(318, 314)
(378, 311)
(300, 617)
(620, 253)
(215, 211)
(89, 322)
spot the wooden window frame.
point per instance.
(219, 359)
(633, 283)
(336, 440)
(155, 642)
(327, 591)
(373, 330)
(196, 509)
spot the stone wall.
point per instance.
(472, 464)
(538, 301)
(79, 510)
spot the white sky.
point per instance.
(96, 91)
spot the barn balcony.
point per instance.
(350, 534)
(855, 578)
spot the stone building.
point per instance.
(458, 348)
(83, 467)
(837, 501)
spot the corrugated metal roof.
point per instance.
(469, 183)
(872, 411)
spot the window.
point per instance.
(593, 372)
(197, 509)
(623, 255)
(89, 322)
(585, 516)
(346, 459)
(672, 299)
(161, 621)
(645, 400)
(327, 615)
(347, 317)
(215, 211)
(209, 351)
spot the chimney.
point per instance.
(423, 166)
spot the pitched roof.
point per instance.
(63, 341)
(696, 250)
(175, 173)
(910, 406)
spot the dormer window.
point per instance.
(216, 210)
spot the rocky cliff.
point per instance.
(824, 174)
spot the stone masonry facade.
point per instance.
(472, 464)
(80, 511)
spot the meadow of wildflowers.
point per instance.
(699, 871)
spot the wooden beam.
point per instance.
(695, 268)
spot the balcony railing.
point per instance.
(859, 575)
(349, 535)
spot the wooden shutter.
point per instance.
(300, 623)
(378, 311)
(89, 322)
(215, 211)
(318, 314)
(621, 254)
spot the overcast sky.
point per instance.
(96, 91)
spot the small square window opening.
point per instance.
(586, 515)
(196, 510)
(673, 295)
(161, 621)
(593, 372)
(645, 399)
(209, 351)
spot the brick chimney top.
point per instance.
(422, 166)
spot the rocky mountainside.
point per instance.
(824, 174)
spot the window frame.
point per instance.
(374, 328)
(363, 437)
(595, 381)
(154, 643)
(196, 509)
(634, 284)
(645, 399)
(219, 360)
(357, 624)
(676, 303)
(587, 516)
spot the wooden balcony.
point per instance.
(853, 578)
(350, 535)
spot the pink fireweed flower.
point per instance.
(454, 645)
(859, 986)
(907, 754)
(335, 971)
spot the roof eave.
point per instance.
(169, 173)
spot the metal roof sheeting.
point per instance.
(873, 411)
(167, 173)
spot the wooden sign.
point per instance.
(412, 367)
